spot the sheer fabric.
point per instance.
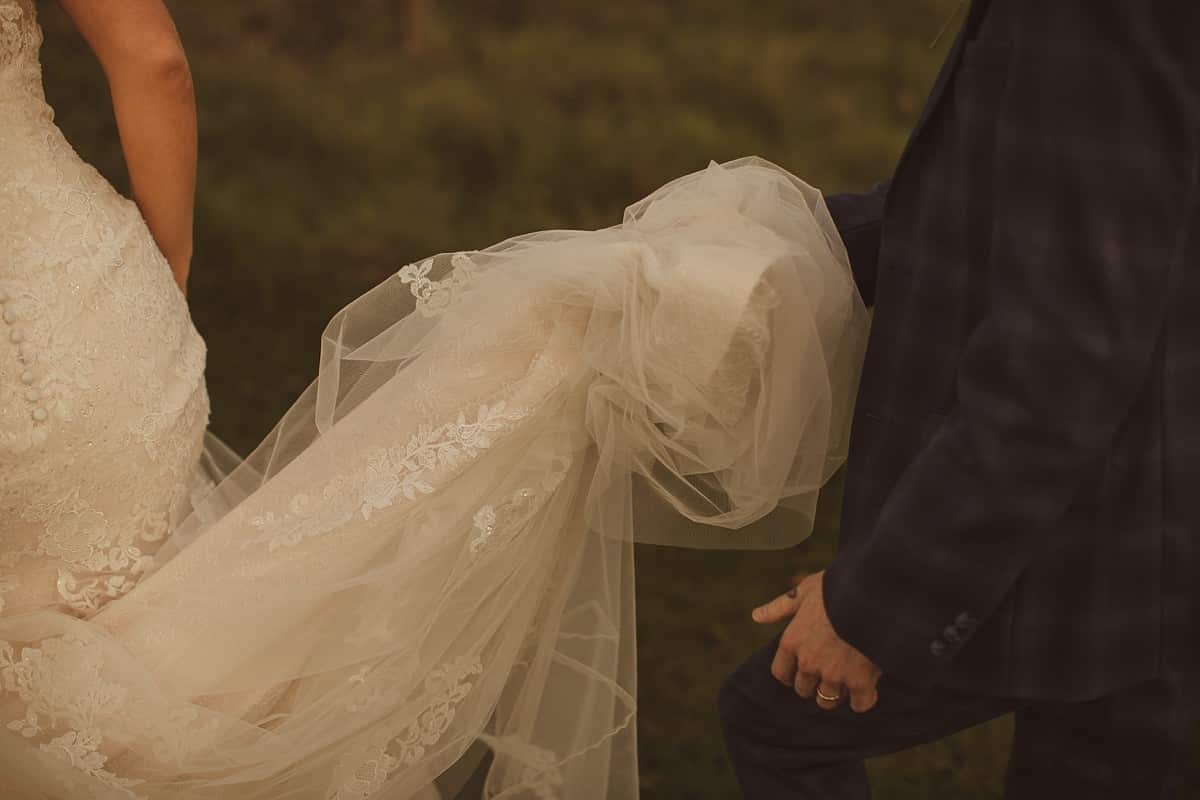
(430, 556)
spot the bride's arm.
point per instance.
(139, 49)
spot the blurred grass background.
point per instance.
(340, 141)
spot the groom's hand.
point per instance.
(811, 656)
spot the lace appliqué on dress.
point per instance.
(8, 583)
(435, 296)
(497, 525)
(540, 772)
(389, 472)
(19, 36)
(445, 689)
(61, 686)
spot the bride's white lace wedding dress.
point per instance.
(430, 555)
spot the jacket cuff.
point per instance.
(916, 650)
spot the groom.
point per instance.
(1021, 525)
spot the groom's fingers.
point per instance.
(806, 684)
(864, 692)
(783, 666)
(829, 689)
(863, 699)
(781, 607)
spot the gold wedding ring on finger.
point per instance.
(828, 698)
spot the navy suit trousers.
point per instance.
(1132, 744)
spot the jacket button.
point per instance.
(952, 634)
(964, 620)
(937, 647)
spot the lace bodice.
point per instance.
(20, 39)
(102, 399)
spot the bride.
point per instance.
(429, 558)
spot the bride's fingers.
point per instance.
(781, 607)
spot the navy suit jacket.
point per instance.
(1022, 498)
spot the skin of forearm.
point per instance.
(155, 108)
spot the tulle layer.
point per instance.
(430, 557)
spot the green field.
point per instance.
(340, 141)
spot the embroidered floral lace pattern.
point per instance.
(20, 39)
(445, 688)
(389, 472)
(435, 296)
(497, 525)
(48, 680)
(68, 702)
(540, 775)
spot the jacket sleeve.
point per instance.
(859, 218)
(1094, 190)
